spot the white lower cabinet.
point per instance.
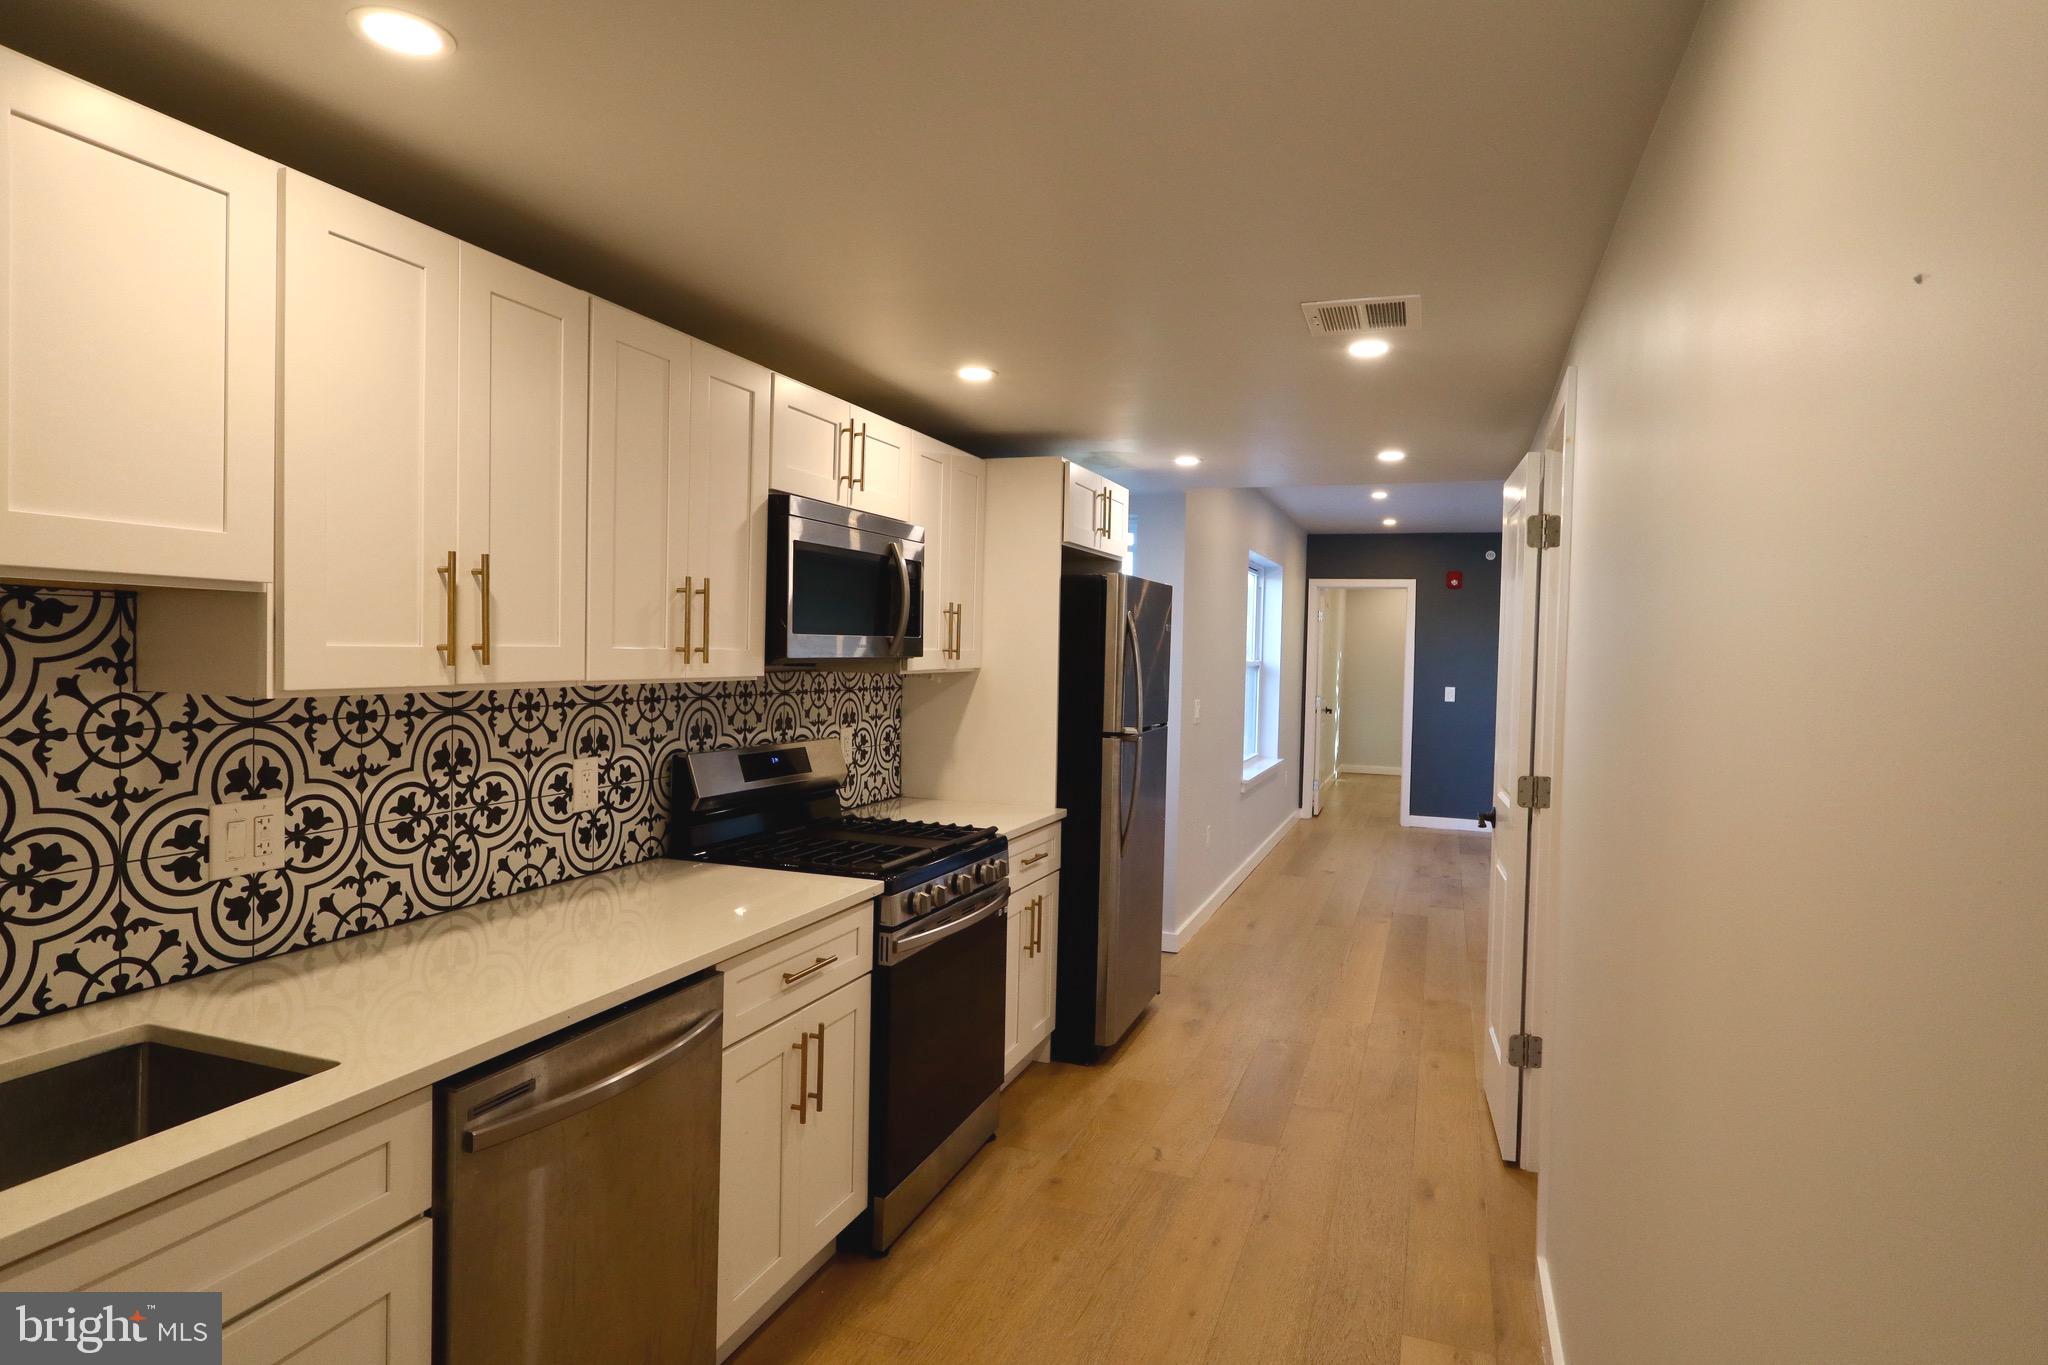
(375, 1308)
(1030, 978)
(793, 1164)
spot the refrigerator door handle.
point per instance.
(1137, 666)
(1123, 816)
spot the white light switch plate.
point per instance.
(583, 788)
(244, 837)
(1450, 694)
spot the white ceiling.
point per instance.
(1472, 506)
(1117, 205)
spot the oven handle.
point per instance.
(903, 605)
(899, 947)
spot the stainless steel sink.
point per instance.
(155, 1079)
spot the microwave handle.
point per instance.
(903, 602)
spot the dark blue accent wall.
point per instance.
(1457, 638)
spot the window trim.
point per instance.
(1265, 634)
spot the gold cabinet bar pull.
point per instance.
(1037, 926)
(449, 596)
(818, 1094)
(791, 978)
(704, 650)
(1038, 857)
(847, 432)
(863, 485)
(482, 574)
(686, 593)
(802, 1047)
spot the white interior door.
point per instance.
(1328, 703)
(1507, 901)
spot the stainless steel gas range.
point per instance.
(937, 1045)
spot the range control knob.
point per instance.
(963, 882)
(985, 874)
(920, 902)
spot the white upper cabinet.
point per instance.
(678, 503)
(138, 339)
(639, 495)
(947, 498)
(369, 567)
(960, 576)
(880, 470)
(812, 431)
(728, 555)
(927, 464)
(1098, 512)
(522, 428)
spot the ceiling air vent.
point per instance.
(1338, 317)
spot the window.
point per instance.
(1261, 667)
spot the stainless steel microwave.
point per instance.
(842, 583)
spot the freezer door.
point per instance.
(1140, 631)
(1131, 888)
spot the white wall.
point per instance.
(1215, 829)
(1375, 658)
(1798, 1103)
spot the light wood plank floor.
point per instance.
(1289, 1159)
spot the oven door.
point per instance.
(938, 1031)
(843, 584)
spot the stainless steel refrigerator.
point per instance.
(1113, 735)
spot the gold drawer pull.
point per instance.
(1038, 857)
(686, 592)
(704, 650)
(791, 978)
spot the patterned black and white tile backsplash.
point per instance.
(396, 805)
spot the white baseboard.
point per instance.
(1373, 769)
(1553, 1340)
(1171, 940)
(1443, 822)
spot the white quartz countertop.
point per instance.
(402, 1008)
(1010, 821)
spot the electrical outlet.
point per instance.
(244, 837)
(1195, 711)
(583, 785)
(1450, 694)
(1208, 835)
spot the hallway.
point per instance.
(1289, 1160)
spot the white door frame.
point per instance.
(1312, 674)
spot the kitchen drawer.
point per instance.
(1034, 855)
(375, 1308)
(262, 1227)
(767, 983)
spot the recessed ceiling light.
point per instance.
(1393, 456)
(976, 374)
(1187, 461)
(396, 31)
(1388, 521)
(1379, 495)
(1368, 348)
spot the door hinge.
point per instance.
(1525, 1051)
(1533, 792)
(1546, 530)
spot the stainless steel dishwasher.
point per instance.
(576, 1192)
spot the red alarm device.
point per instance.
(1454, 579)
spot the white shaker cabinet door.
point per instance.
(641, 499)
(368, 568)
(881, 465)
(138, 339)
(927, 508)
(728, 514)
(522, 428)
(811, 435)
(758, 1249)
(831, 1187)
(961, 573)
(1036, 976)
(375, 1308)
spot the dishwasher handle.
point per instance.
(588, 1096)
